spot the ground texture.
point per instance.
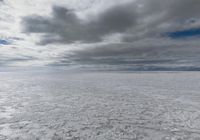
(99, 106)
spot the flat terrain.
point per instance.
(59, 105)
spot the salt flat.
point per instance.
(60, 105)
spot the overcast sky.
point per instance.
(115, 34)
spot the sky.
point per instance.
(114, 34)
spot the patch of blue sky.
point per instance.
(4, 42)
(185, 33)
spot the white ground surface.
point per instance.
(99, 106)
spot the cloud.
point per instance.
(148, 49)
(134, 19)
(65, 27)
(150, 54)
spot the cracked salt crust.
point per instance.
(99, 106)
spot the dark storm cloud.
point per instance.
(158, 17)
(118, 54)
(140, 56)
(172, 9)
(183, 9)
(65, 27)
